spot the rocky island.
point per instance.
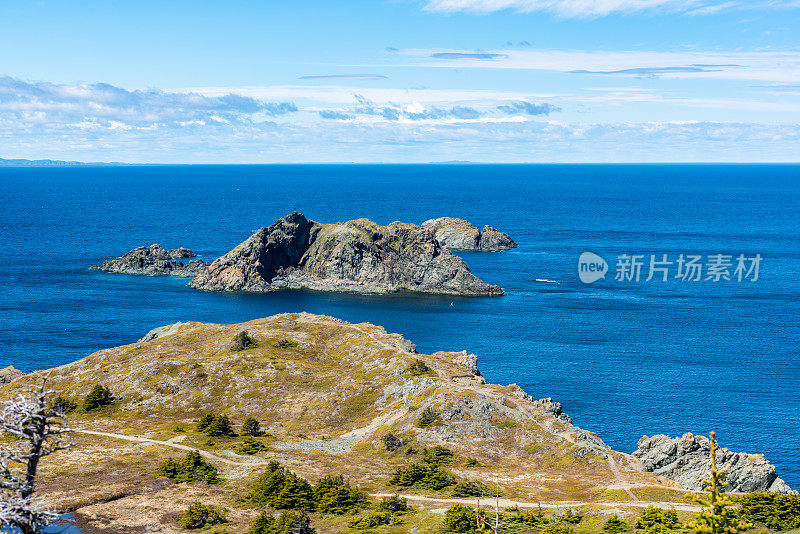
(154, 260)
(359, 256)
(458, 234)
(310, 397)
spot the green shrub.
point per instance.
(421, 475)
(243, 341)
(419, 368)
(392, 442)
(200, 516)
(459, 519)
(393, 504)
(192, 469)
(615, 525)
(529, 520)
(572, 516)
(654, 520)
(773, 510)
(372, 520)
(557, 528)
(252, 427)
(334, 495)
(250, 446)
(99, 397)
(437, 455)
(428, 417)
(215, 425)
(471, 462)
(285, 344)
(471, 488)
(64, 405)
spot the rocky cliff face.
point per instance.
(154, 260)
(460, 234)
(357, 255)
(687, 460)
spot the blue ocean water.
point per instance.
(625, 359)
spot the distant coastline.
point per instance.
(50, 163)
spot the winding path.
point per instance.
(250, 461)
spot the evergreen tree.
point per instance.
(263, 524)
(99, 397)
(615, 525)
(460, 519)
(251, 427)
(718, 517)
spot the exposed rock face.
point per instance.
(357, 255)
(154, 260)
(7, 374)
(687, 460)
(159, 332)
(460, 234)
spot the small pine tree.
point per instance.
(718, 517)
(428, 417)
(99, 397)
(392, 442)
(64, 405)
(243, 341)
(460, 519)
(419, 368)
(615, 525)
(205, 422)
(201, 516)
(263, 524)
(252, 427)
(192, 469)
(293, 523)
(395, 503)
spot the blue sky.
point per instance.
(400, 81)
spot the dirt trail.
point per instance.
(248, 460)
(508, 503)
(620, 481)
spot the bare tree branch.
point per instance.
(40, 427)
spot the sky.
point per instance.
(273, 81)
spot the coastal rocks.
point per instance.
(7, 374)
(154, 260)
(159, 332)
(687, 460)
(358, 256)
(553, 408)
(462, 235)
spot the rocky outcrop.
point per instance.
(8, 374)
(358, 256)
(462, 235)
(154, 260)
(687, 460)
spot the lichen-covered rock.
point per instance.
(687, 460)
(462, 235)
(154, 260)
(358, 256)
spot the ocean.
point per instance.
(625, 358)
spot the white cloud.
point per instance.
(764, 66)
(600, 8)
